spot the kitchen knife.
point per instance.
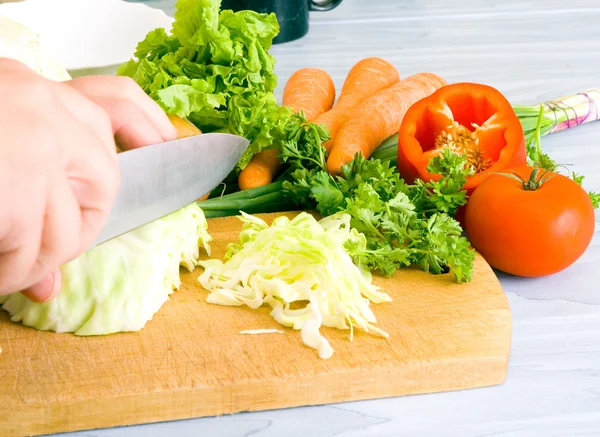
(162, 178)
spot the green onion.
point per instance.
(537, 121)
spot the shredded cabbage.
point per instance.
(302, 270)
(119, 285)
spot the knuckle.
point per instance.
(32, 93)
(128, 86)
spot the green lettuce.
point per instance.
(214, 68)
(119, 285)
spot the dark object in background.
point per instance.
(291, 14)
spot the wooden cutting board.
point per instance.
(191, 361)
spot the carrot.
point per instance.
(379, 117)
(185, 128)
(309, 90)
(260, 170)
(367, 77)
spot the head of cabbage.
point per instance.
(119, 285)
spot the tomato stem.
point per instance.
(533, 183)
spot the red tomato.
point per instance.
(530, 232)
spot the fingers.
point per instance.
(59, 179)
(92, 174)
(59, 213)
(18, 258)
(23, 205)
(93, 179)
(89, 114)
(131, 127)
(136, 119)
(61, 235)
(46, 289)
(58, 169)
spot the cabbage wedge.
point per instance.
(119, 285)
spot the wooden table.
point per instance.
(531, 50)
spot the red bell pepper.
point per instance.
(472, 119)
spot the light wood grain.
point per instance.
(191, 361)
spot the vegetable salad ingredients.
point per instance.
(303, 269)
(530, 222)
(215, 70)
(308, 90)
(378, 117)
(365, 78)
(580, 115)
(404, 224)
(119, 285)
(474, 120)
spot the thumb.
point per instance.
(45, 290)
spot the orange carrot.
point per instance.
(367, 77)
(185, 128)
(260, 170)
(378, 118)
(310, 90)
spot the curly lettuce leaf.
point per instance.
(215, 69)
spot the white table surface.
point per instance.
(531, 50)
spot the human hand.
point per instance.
(136, 119)
(58, 168)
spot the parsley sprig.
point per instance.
(404, 224)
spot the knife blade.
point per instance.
(162, 178)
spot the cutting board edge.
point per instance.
(140, 409)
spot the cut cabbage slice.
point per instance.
(119, 285)
(302, 270)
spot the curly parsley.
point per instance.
(404, 224)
